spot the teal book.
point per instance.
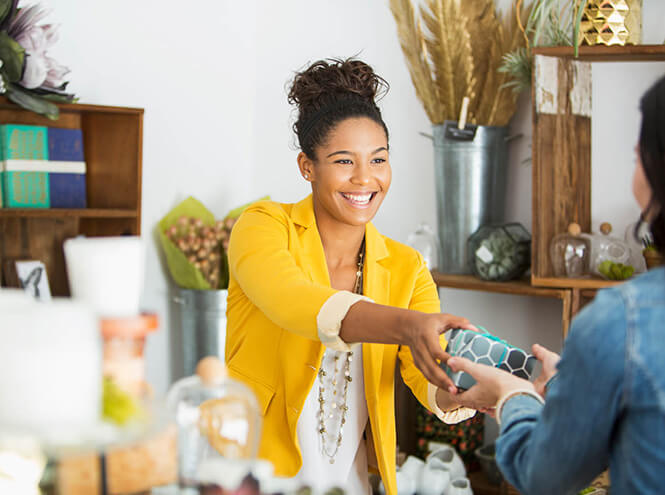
(26, 189)
(23, 152)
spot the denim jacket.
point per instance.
(606, 406)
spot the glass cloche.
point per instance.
(216, 416)
(570, 253)
(425, 241)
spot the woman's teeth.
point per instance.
(359, 199)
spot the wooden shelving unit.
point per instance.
(112, 142)
(577, 283)
(65, 213)
(561, 147)
(521, 287)
(601, 53)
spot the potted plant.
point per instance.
(454, 50)
(195, 247)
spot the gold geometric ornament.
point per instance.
(612, 22)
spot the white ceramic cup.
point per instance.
(435, 478)
(450, 458)
(106, 273)
(460, 486)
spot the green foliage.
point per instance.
(118, 406)
(518, 64)
(27, 100)
(615, 271)
(12, 55)
(551, 23)
(5, 7)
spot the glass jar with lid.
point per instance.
(216, 416)
(570, 253)
(605, 247)
(425, 241)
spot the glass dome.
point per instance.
(217, 417)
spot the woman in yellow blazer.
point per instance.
(314, 286)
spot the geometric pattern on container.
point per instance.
(481, 349)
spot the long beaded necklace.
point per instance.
(335, 405)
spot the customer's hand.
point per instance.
(422, 337)
(549, 361)
(491, 384)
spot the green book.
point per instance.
(23, 151)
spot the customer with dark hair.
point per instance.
(605, 398)
(310, 281)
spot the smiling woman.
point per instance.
(316, 294)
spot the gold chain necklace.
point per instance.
(343, 408)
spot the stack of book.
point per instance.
(42, 167)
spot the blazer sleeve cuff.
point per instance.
(331, 314)
(449, 417)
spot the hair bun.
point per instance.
(334, 78)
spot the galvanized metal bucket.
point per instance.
(201, 327)
(470, 170)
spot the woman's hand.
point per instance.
(549, 361)
(492, 384)
(422, 332)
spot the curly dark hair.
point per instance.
(652, 154)
(330, 91)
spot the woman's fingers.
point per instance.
(462, 364)
(541, 352)
(425, 360)
(549, 361)
(452, 321)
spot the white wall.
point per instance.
(211, 76)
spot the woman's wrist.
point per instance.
(527, 390)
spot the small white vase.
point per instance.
(406, 485)
(435, 478)
(451, 459)
(459, 486)
(408, 476)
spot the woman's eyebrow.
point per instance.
(345, 152)
(341, 152)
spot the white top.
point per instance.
(350, 468)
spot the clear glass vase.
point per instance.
(425, 241)
(605, 247)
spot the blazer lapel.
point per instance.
(377, 288)
(316, 266)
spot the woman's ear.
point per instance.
(306, 166)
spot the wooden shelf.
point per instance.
(602, 53)
(573, 283)
(521, 287)
(67, 213)
(481, 486)
(113, 149)
(76, 108)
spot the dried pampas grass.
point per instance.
(457, 54)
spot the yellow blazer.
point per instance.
(278, 283)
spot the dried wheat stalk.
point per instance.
(413, 45)
(458, 56)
